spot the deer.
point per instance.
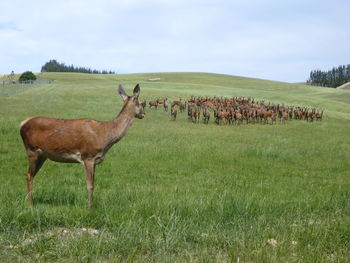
(161, 101)
(238, 117)
(143, 104)
(273, 117)
(319, 115)
(196, 113)
(206, 115)
(189, 112)
(182, 107)
(285, 115)
(222, 115)
(176, 102)
(153, 104)
(173, 113)
(165, 104)
(84, 141)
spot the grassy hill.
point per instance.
(345, 86)
(178, 191)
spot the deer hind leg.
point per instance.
(90, 178)
(35, 162)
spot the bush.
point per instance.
(27, 76)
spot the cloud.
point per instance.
(280, 40)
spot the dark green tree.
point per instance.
(332, 78)
(54, 66)
(27, 76)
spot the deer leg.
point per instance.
(90, 176)
(35, 162)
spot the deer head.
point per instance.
(132, 102)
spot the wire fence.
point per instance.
(7, 81)
(9, 87)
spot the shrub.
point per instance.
(27, 76)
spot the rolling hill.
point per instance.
(175, 191)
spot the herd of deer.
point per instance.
(86, 141)
(237, 110)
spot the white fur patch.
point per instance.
(25, 121)
(75, 157)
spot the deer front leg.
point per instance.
(90, 176)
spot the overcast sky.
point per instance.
(269, 39)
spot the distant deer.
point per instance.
(173, 113)
(238, 117)
(165, 104)
(206, 115)
(285, 115)
(161, 101)
(153, 104)
(319, 115)
(84, 141)
(196, 113)
(176, 102)
(273, 117)
(182, 107)
(143, 104)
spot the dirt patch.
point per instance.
(346, 85)
(61, 233)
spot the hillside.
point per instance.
(177, 191)
(345, 86)
(173, 85)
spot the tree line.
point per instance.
(333, 78)
(54, 66)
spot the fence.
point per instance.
(7, 81)
(9, 87)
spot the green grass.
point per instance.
(178, 191)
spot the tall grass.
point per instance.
(174, 191)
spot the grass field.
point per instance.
(178, 191)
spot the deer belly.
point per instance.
(65, 157)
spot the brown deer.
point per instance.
(143, 104)
(196, 113)
(206, 115)
(84, 141)
(222, 115)
(161, 101)
(153, 104)
(238, 117)
(173, 113)
(165, 104)
(285, 115)
(273, 117)
(182, 107)
(319, 115)
(176, 102)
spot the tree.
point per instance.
(27, 76)
(331, 78)
(54, 66)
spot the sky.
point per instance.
(269, 39)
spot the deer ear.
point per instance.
(137, 91)
(122, 93)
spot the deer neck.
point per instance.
(121, 124)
